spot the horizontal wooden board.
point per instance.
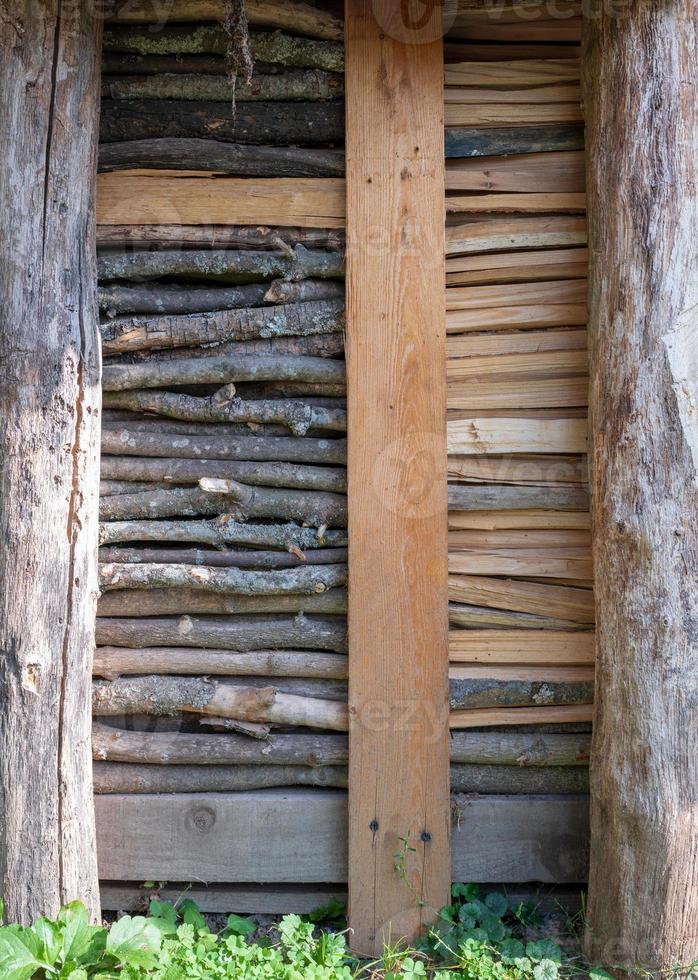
(519, 563)
(512, 75)
(529, 172)
(504, 519)
(515, 203)
(300, 836)
(519, 392)
(490, 28)
(241, 899)
(556, 673)
(503, 344)
(563, 714)
(491, 646)
(546, 539)
(472, 12)
(512, 115)
(507, 435)
(475, 270)
(559, 601)
(565, 291)
(491, 233)
(162, 197)
(526, 364)
(457, 52)
(539, 95)
(516, 317)
(529, 470)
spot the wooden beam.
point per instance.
(642, 125)
(287, 836)
(398, 520)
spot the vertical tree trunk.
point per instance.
(642, 123)
(49, 446)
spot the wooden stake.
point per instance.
(398, 594)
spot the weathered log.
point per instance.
(118, 298)
(49, 453)
(319, 393)
(218, 236)
(171, 695)
(313, 507)
(110, 777)
(187, 330)
(556, 780)
(498, 497)
(178, 602)
(224, 406)
(642, 124)
(288, 86)
(307, 123)
(303, 580)
(223, 265)
(297, 16)
(223, 532)
(312, 345)
(114, 63)
(241, 633)
(131, 442)
(157, 473)
(272, 48)
(532, 748)
(111, 662)
(460, 614)
(494, 693)
(474, 141)
(241, 159)
(223, 559)
(109, 488)
(177, 748)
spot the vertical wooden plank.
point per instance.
(397, 472)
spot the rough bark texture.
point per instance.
(113, 662)
(178, 602)
(49, 453)
(222, 532)
(290, 86)
(114, 777)
(175, 298)
(642, 126)
(218, 236)
(471, 141)
(254, 122)
(223, 559)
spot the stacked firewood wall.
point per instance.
(221, 662)
(520, 586)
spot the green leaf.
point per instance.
(494, 927)
(544, 949)
(512, 949)
(240, 926)
(596, 973)
(467, 893)
(81, 943)
(50, 939)
(328, 913)
(79, 974)
(189, 911)
(18, 960)
(545, 970)
(134, 941)
(496, 903)
(163, 915)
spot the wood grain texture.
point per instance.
(49, 453)
(520, 647)
(162, 197)
(281, 836)
(397, 477)
(643, 341)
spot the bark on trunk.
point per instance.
(642, 126)
(223, 559)
(49, 448)
(307, 123)
(190, 330)
(289, 86)
(222, 532)
(273, 48)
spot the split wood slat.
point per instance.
(549, 538)
(298, 17)
(538, 364)
(566, 674)
(532, 341)
(567, 291)
(458, 95)
(521, 30)
(531, 11)
(547, 715)
(528, 172)
(511, 435)
(491, 646)
(515, 203)
(515, 115)
(490, 233)
(285, 836)
(471, 270)
(398, 616)
(520, 392)
(161, 197)
(511, 75)
(460, 52)
(516, 317)
(523, 471)
(494, 520)
(521, 565)
(535, 414)
(559, 601)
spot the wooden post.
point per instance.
(49, 453)
(642, 130)
(399, 862)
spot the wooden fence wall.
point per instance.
(221, 701)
